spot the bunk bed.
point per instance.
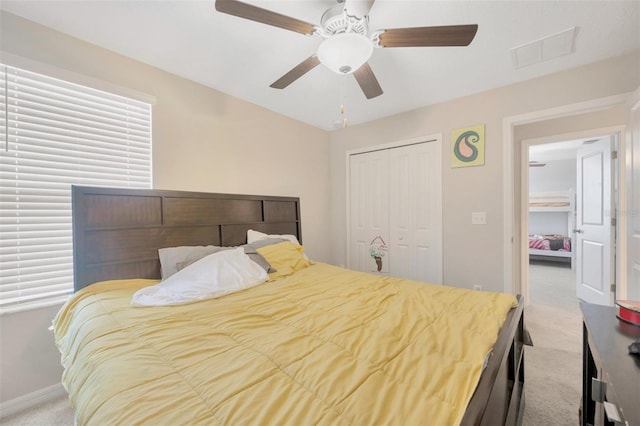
(551, 224)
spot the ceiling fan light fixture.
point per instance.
(345, 53)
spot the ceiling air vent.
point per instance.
(544, 49)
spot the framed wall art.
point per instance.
(467, 146)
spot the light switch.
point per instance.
(479, 218)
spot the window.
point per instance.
(54, 134)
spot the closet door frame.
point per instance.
(436, 139)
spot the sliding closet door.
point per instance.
(415, 214)
(395, 218)
(369, 212)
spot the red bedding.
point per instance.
(550, 242)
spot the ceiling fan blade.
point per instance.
(358, 8)
(298, 71)
(264, 16)
(448, 35)
(368, 81)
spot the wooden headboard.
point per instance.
(117, 232)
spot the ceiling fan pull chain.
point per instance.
(344, 89)
(344, 101)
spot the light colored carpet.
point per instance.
(553, 367)
(552, 283)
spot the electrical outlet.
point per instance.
(479, 218)
(477, 287)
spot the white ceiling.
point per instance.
(242, 58)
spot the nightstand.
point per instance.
(610, 375)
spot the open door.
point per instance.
(594, 233)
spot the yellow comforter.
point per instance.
(322, 346)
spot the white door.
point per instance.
(395, 216)
(594, 230)
(415, 216)
(369, 211)
(633, 199)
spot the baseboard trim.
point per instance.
(24, 402)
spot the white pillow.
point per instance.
(170, 257)
(213, 276)
(253, 236)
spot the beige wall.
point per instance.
(203, 140)
(29, 359)
(473, 254)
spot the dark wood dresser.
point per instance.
(610, 375)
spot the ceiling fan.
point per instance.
(347, 44)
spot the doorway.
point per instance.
(553, 193)
(570, 186)
(552, 215)
(559, 334)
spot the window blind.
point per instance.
(55, 134)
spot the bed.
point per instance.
(551, 223)
(321, 345)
